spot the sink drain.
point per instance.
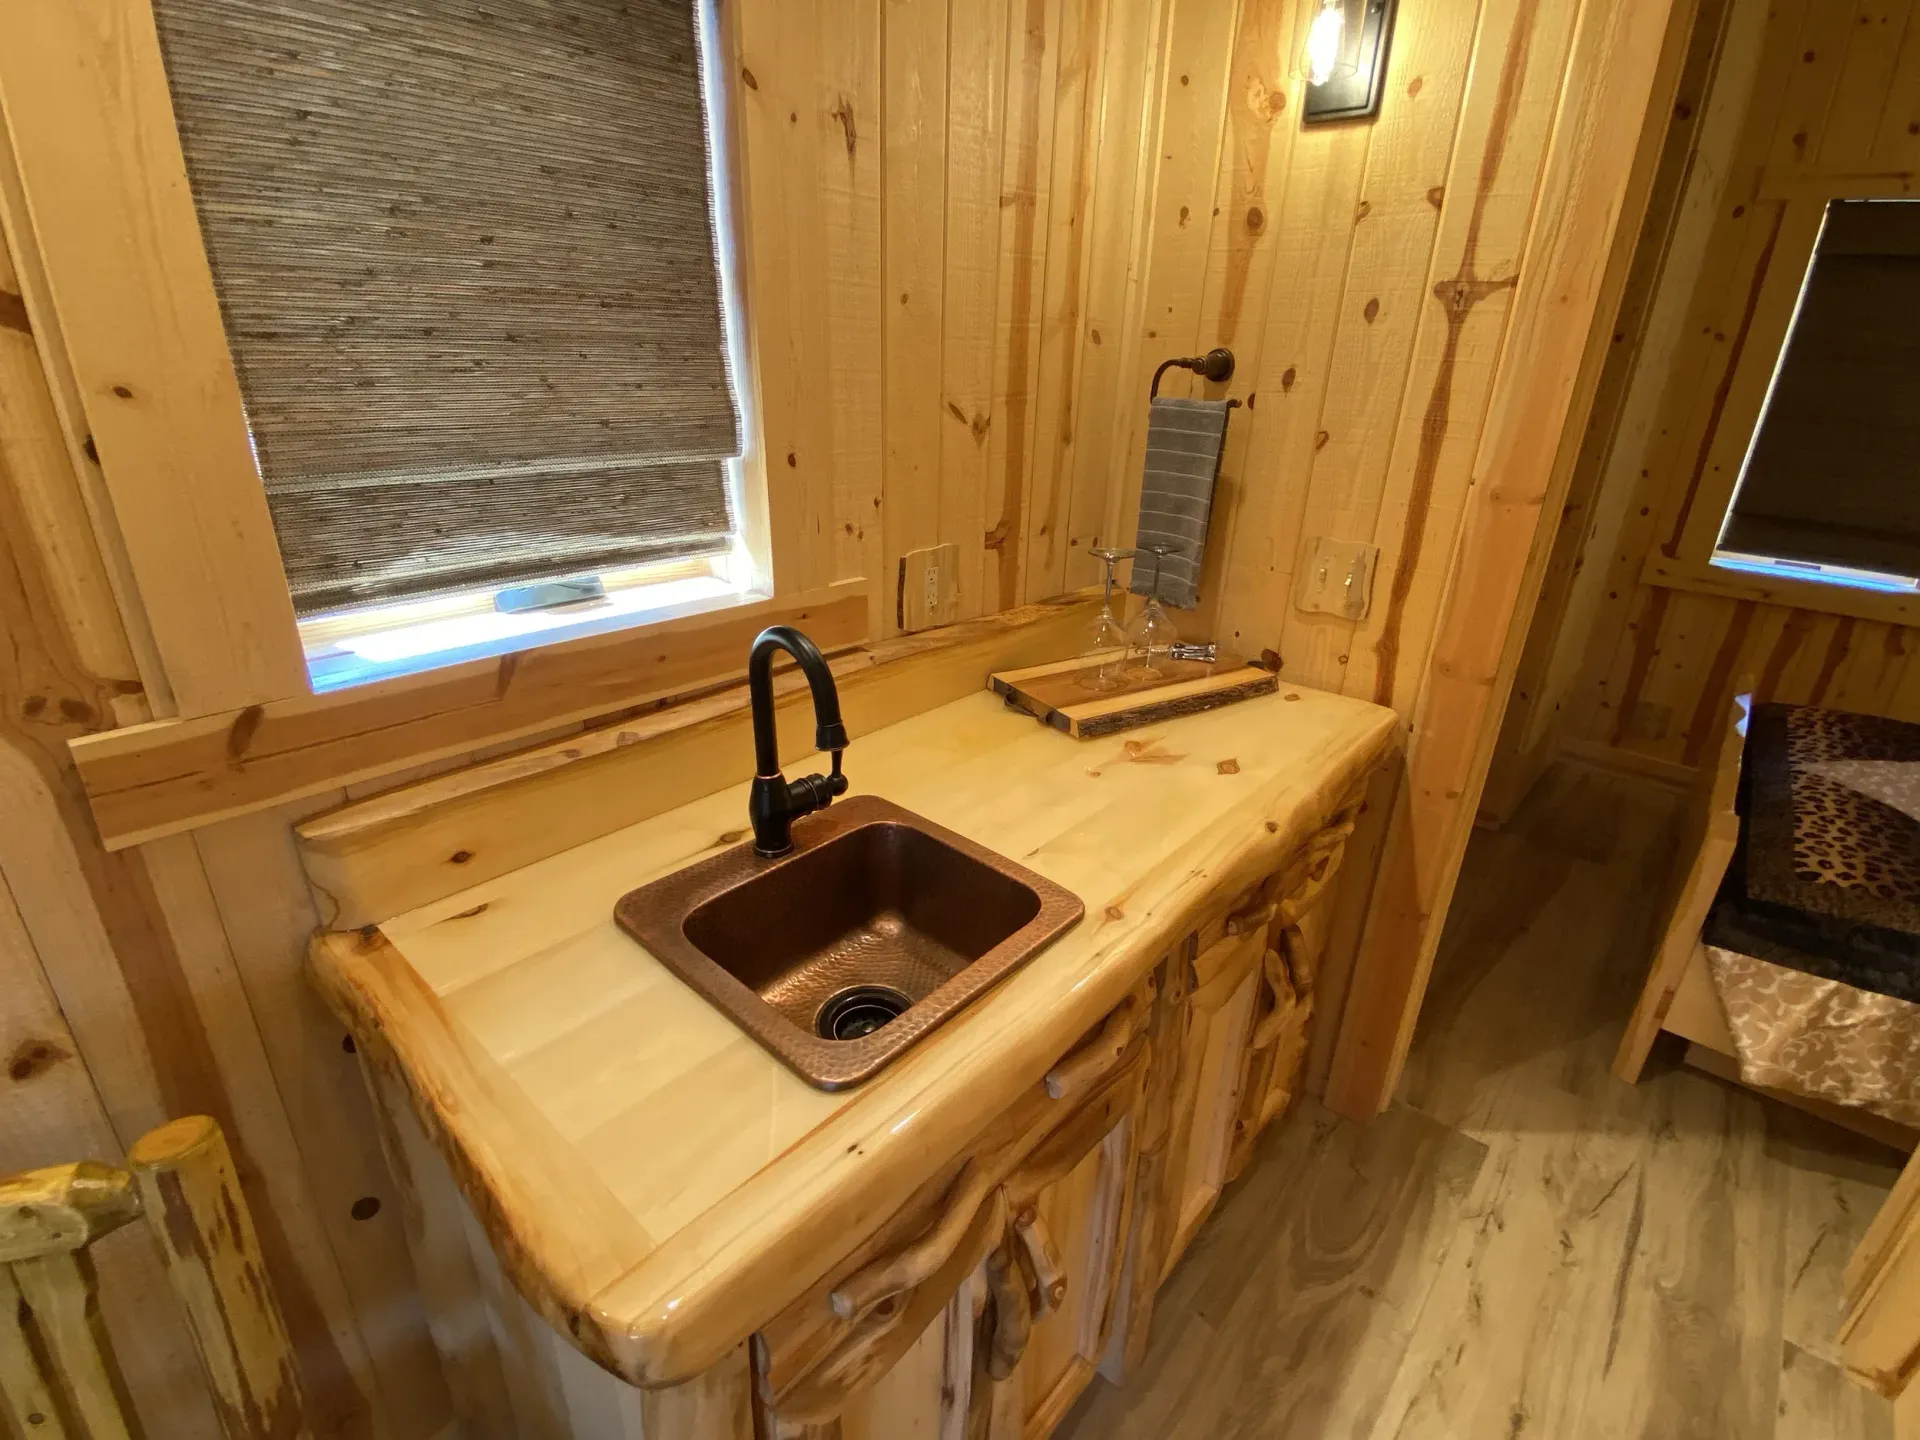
(858, 1010)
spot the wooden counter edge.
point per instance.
(702, 1291)
(353, 972)
(692, 1298)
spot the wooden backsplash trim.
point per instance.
(379, 857)
(169, 776)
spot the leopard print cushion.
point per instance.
(1842, 835)
(1818, 840)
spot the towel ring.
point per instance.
(1216, 365)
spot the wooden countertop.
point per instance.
(659, 1186)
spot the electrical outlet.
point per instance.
(1336, 578)
(928, 591)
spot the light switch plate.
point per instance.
(1336, 578)
(928, 591)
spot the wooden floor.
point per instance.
(1524, 1246)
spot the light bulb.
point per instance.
(1323, 42)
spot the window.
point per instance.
(469, 262)
(1830, 486)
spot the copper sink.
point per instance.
(875, 928)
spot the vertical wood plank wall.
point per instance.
(971, 229)
(975, 227)
(1641, 673)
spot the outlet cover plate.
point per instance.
(927, 592)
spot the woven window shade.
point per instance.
(466, 258)
(1834, 477)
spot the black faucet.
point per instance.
(774, 804)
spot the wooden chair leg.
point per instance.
(26, 1391)
(1656, 997)
(57, 1292)
(192, 1199)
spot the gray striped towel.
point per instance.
(1184, 441)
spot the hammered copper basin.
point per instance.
(877, 927)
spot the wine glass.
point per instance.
(1151, 634)
(1106, 637)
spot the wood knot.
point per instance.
(1228, 767)
(13, 313)
(1256, 219)
(843, 112)
(240, 734)
(1264, 101)
(34, 1057)
(747, 78)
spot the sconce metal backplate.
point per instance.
(1353, 90)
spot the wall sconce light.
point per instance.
(1345, 59)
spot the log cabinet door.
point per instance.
(981, 1311)
(1223, 987)
(1050, 1289)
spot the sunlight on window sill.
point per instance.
(358, 649)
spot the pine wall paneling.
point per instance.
(137, 1015)
(1603, 135)
(970, 231)
(1709, 104)
(1803, 99)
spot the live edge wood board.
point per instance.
(1056, 695)
(659, 1187)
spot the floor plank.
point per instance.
(1818, 1402)
(1303, 1285)
(1523, 1246)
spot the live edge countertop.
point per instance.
(657, 1185)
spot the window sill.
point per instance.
(1825, 598)
(356, 651)
(168, 776)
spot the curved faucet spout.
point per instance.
(773, 804)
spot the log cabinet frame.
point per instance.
(1028, 1260)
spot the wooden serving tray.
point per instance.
(1053, 693)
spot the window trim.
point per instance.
(1686, 532)
(129, 308)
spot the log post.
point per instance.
(192, 1199)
